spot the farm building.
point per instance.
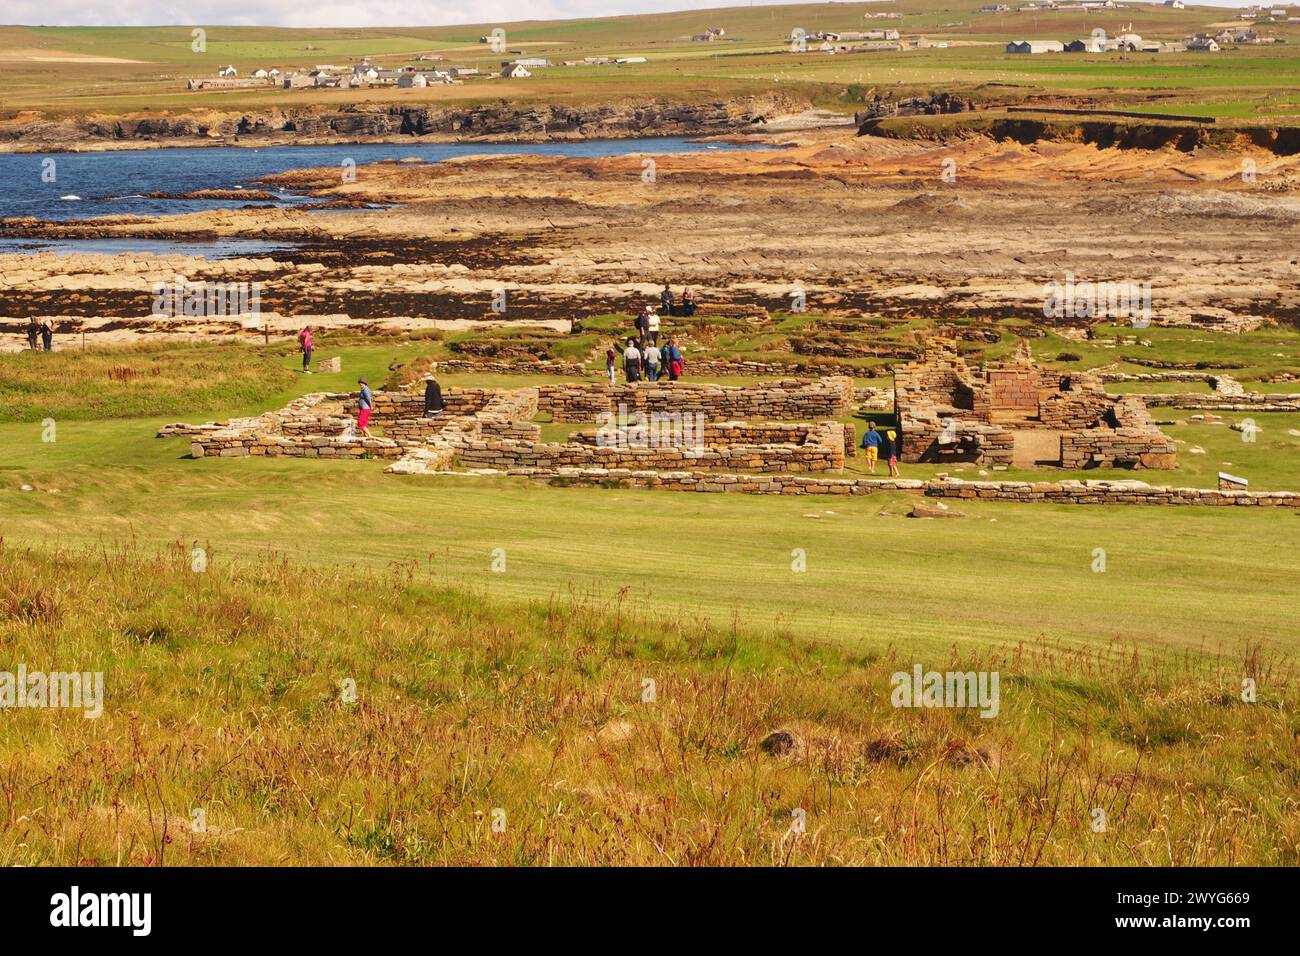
(1035, 46)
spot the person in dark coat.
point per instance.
(33, 330)
(433, 403)
(47, 335)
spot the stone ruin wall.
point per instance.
(816, 448)
(977, 415)
(786, 400)
(491, 428)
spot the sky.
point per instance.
(339, 13)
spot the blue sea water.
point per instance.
(112, 183)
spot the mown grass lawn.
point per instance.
(1180, 578)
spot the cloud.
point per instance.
(339, 13)
(324, 13)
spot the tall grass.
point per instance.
(223, 693)
(165, 378)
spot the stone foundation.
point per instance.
(786, 400)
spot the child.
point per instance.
(871, 445)
(891, 450)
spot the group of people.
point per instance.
(877, 446)
(685, 306)
(646, 361)
(42, 331)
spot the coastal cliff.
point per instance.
(31, 132)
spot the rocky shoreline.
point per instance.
(379, 124)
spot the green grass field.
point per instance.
(328, 665)
(1202, 579)
(1251, 83)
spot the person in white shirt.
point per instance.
(652, 362)
(632, 361)
(653, 330)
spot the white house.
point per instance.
(1175, 4)
(227, 71)
(409, 80)
(261, 74)
(514, 71)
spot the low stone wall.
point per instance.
(410, 403)
(1210, 401)
(508, 454)
(413, 431)
(1105, 493)
(1151, 376)
(506, 367)
(881, 399)
(703, 366)
(233, 445)
(931, 437)
(786, 400)
(711, 435)
(1117, 448)
(1063, 492)
(714, 482)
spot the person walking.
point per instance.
(871, 445)
(891, 451)
(33, 330)
(433, 403)
(652, 327)
(611, 362)
(652, 362)
(47, 335)
(632, 361)
(305, 344)
(365, 405)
